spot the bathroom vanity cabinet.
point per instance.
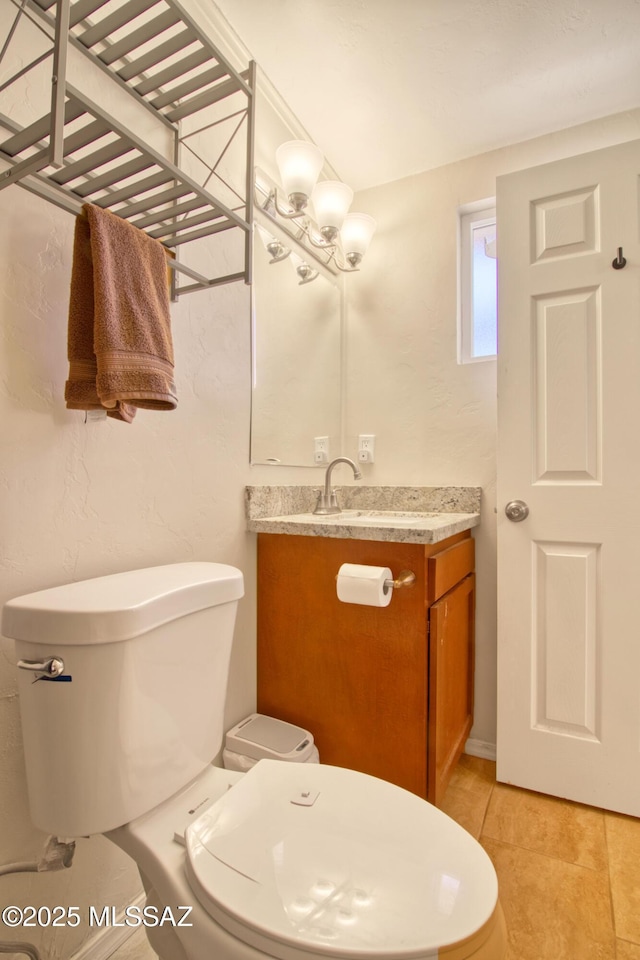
(384, 690)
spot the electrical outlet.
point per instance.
(321, 450)
(366, 447)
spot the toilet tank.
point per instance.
(137, 710)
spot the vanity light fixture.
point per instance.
(342, 236)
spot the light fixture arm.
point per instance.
(349, 269)
(290, 214)
(321, 244)
(334, 253)
(332, 249)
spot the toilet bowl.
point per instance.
(288, 861)
(309, 862)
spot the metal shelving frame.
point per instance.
(78, 153)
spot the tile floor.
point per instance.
(569, 875)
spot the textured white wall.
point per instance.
(81, 500)
(434, 420)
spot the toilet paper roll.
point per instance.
(359, 583)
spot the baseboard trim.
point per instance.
(480, 748)
(108, 940)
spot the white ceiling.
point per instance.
(388, 88)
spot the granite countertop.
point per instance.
(398, 514)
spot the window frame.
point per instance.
(481, 213)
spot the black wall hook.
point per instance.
(619, 261)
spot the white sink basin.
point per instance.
(370, 518)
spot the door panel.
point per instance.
(568, 410)
(565, 639)
(567, 404)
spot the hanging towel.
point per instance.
(119, 339)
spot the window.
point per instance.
(478, 300)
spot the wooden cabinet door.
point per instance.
(355, 676)
(451, 661)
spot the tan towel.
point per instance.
(119, 340)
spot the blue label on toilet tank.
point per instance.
(63, 678)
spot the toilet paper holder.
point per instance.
(406, 578)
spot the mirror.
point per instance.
(296, 352)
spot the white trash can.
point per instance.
(258, 737)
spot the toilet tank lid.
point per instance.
(119, 606)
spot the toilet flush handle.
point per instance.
(52, 667)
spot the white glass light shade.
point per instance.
(356, 233)
(299, 164)
(331, 201)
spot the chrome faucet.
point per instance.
(328, 498)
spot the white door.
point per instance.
(569, 447)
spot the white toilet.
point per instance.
(122, 685)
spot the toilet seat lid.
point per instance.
(305, 859)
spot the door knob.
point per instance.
(517, 510)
